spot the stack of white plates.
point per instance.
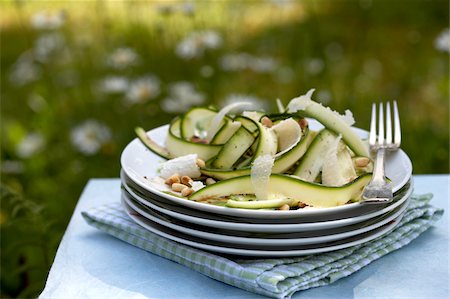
(259, 233)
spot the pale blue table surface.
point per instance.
(91, 264)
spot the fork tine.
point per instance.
(388, 124)
(381, 126)
(397, 131)
(373, 124)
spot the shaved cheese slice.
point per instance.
(340, 124)
(330, 166)
(197, 185)
(215, 123)
(260, 175)
(300, 103)
(347, 117)
(289, 133)
(184, 165)
(304, 101)
(337, 169)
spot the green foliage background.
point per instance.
(357, 52)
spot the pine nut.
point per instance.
(267, 122)
(186, 180)
(198, 140)
(284, 207)
(201, 163)
(187, 191)
(362, 162)
(174, 178)
(301, 205)
(210, 181)
(303, 123)
(178, 187)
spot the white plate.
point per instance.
(140, 164)
(256, 239)
(239, 224)
(258, 251)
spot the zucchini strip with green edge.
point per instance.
(151, 144)
(196, 121)
(178, 147)
(311, 164)
(289, 158)
(225, 174)
(225, 132)
(268, 142)
(261, 204)
(235, 147)
(285, 186)
(247, 123)
(281, 164)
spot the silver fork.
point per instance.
(379, 189)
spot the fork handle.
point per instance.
(378, 190)
(378, 175)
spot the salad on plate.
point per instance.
(259, 160)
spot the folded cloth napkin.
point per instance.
(275, 277)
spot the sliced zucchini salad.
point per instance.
(257, 160)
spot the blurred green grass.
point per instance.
(352, 52)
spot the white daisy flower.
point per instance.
(282, 3)
(285, 75)
(235, 62)
(47, 45)
(196, 43)
(442, 42)
(89, 136)
(314, 66)
(12, 167)
(143, 89)
(373, 67)
(25, 70)
(36, 102)
(244, 61)
(257, 103)
(171, 105)
(211, 39)
(30, 145)
(363, 82)
(45, 20)
(123, 58)
(68, 78)
(182, 96)
(263, 64)
(188, 8)
(113, 85)
(324, 96)
(334, 51)
(166, 9)
(206, 71)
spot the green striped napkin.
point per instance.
(277, 277)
